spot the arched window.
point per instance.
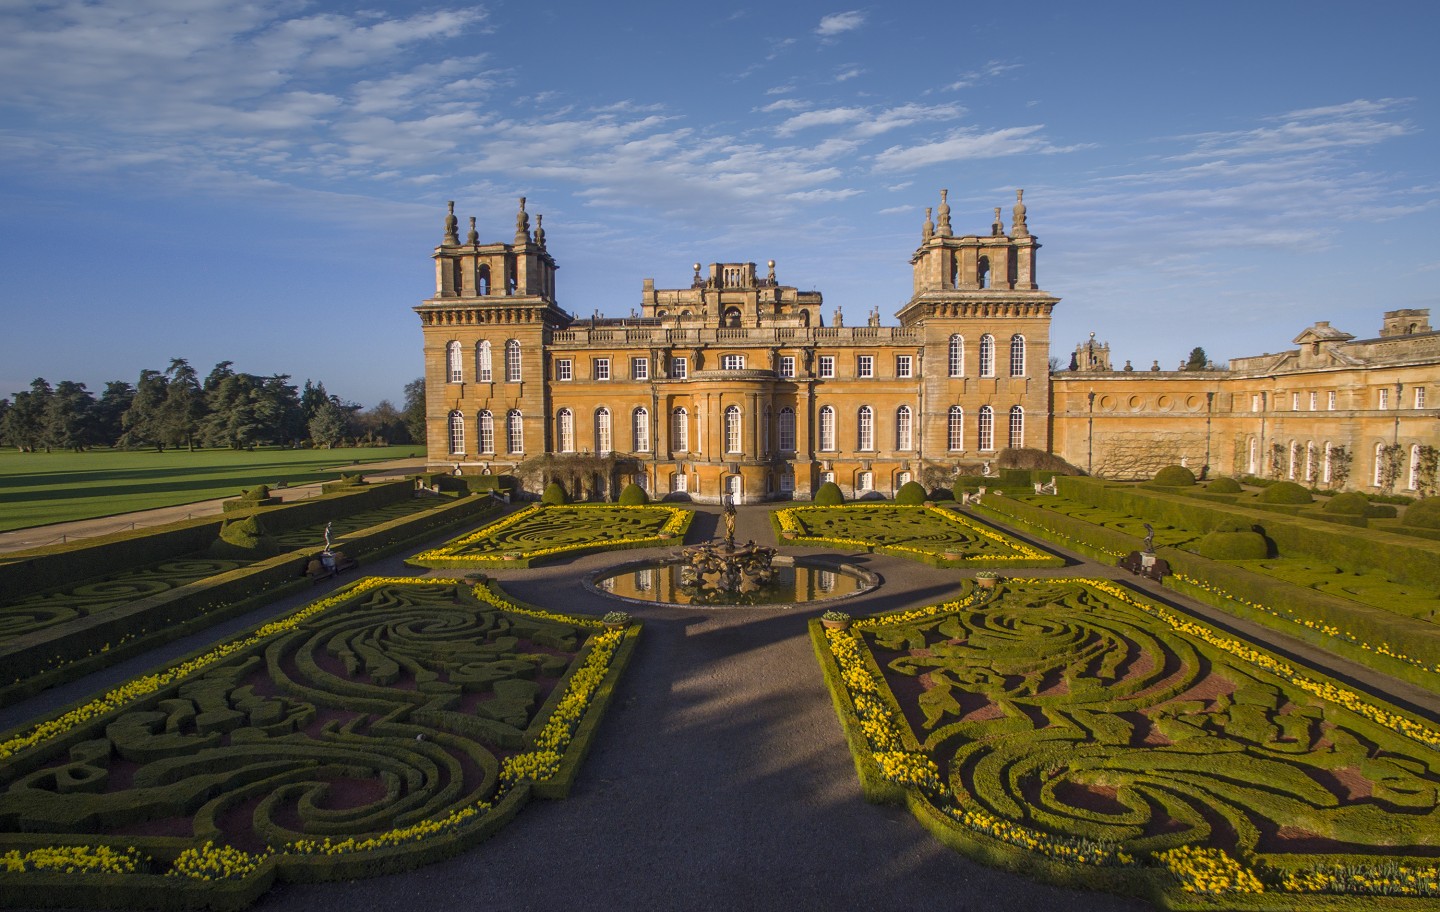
(732, 430)
(902, 428)
(1414, 481)
(514, 432)
(987, 355)
(565, 431)
(982, 272)
(865, 428)
(987, 428)
(680, 430)
(603, 441)
(482, 280)
(732, 316)
(1379, 463)
(640, 430)
(486, 428)
(955, 431)
(1017, 355)
(512, 361)
(765, 432)
(1253, 464)
(1309, 462)
(787, 430)
(957, 356)
(454, 370)
(827, 428)
(482, 362)
(457, 433)
(1017, 426)
(1325, 466)
(1294, 458)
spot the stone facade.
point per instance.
(1334, 412)
(736, 385)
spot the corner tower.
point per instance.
(985, 326)
(485, 332)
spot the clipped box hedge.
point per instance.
(67, 651)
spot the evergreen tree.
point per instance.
(143, 419)
(70, 420)
(278, 410)
(231, 404)
(310, 399)
(414, 411)
(1197, 360)
(184, 405)
(110, 412)
(4, 410)
(329, 423)
(25, 421)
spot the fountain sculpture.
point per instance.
(724, 566)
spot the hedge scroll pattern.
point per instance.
(539, 533)
(1075, 720)
(394, 713)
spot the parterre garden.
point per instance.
(935, 535)
(1075, 730)
(393, 723)
(543, 532)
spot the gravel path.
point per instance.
(720, 778)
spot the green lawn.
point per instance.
(37, 489)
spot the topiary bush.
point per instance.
(1174, 476)
(633, 496)
(1233, 524)
(942, 494)
(1348, 504)
(259, 492)
(1233, 545)
(1224, 484)
(911, 492)
(1423, 514)
(1285, 492)
(245, 539)
(554, 494)
(829, 495)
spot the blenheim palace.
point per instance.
(736, 385)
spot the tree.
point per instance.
(414, 411)
(184, 405)
(329, 424)
(70, 417)
(310, 399)
(1197, 360)
(382, 424)
(278, 410)
(110, 411)
(231, 405)
(25, 421)
(143, 419)
(4, 410)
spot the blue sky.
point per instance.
(263, 181)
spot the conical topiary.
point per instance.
(554, 494)
(633, 496)
(829, 495)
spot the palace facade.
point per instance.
(736, 385)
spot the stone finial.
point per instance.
(771, 277)
(929, 230)
(945, 214)
(473, 237)
(997, 227)
(1018, 227)
(452, 226)
(522, 224)
(839, 317)
(540, 230)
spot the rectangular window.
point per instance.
(867, 481)
(827, 367)
(787, 481)
(564, 369)
(1419, 397)
(1255, 402)
(732, 362)
(679, 368)
(1384, 398)
(679, 482)
(602, 368)
(639, 368)
(1331, 399)
(1314, 398)
(865, 366)
(787, 365)
(1294, 402)
(903, 367)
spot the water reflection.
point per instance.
(800, 583)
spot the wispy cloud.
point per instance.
(869, 122)
(1358, 123)
(976, 77)
(839, 23)
(965, 144)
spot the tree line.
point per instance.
(174, 408)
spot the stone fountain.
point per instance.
(725, 567)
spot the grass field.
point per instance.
(37, 489)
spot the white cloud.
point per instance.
(965, 144)
(822, 118)
(848, 74)
(1357, 123)
(839, 23)
(784, 104)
